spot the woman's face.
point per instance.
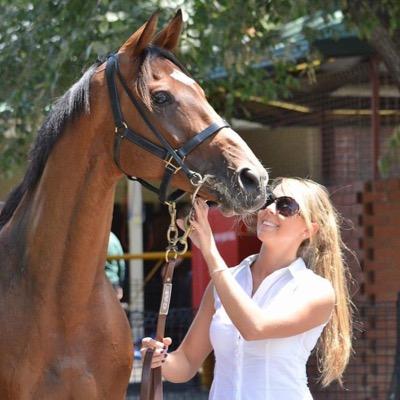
(275, 229)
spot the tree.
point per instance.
(228, 45)
(43, 47)
(379, 23)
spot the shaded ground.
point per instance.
(187, 391)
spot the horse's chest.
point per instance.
(94, 364)
(81, 376)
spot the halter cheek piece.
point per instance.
(173, 158)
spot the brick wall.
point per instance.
(353, 155)
(381, 217)
(382, 240)
(347, 155)
(348, 201)
(371, 229)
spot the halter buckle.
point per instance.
(170, 166)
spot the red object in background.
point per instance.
(233, 242)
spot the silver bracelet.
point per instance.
(218, 270)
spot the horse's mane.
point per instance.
(65, 109)
(70, 106)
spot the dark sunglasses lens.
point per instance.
(287, 206)
(271, 198)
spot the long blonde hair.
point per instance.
(323, 253)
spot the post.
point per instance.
(375, 116)
(135, 206)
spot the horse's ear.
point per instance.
(141, 38)
(168, 38)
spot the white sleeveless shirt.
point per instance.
(269, 369)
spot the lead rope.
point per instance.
(151, 384)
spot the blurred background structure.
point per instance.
(313, 88)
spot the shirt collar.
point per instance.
(297, 266)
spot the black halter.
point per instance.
(167, 153)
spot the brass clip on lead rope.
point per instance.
(178, 245)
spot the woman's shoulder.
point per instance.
(310, 280)
(313, 291)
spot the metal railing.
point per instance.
(149, 255)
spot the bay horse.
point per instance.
(63, 334)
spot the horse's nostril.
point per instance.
(248, 180)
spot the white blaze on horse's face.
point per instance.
(181, 77)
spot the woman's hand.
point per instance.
(160, 350)
(201, 234)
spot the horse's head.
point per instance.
(153, 95)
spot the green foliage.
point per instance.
(228, 42)
(45, 46)
(365, 15)
(236, 49)
(390, 160)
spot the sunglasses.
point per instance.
(285, 205)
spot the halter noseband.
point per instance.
(165, 152)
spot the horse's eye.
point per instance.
(161, 98)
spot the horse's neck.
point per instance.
(69, 217)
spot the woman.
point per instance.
(263, 317)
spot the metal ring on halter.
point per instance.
(196, 179)
(120, 127)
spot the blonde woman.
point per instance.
(263, 317)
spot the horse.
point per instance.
(63, 333)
